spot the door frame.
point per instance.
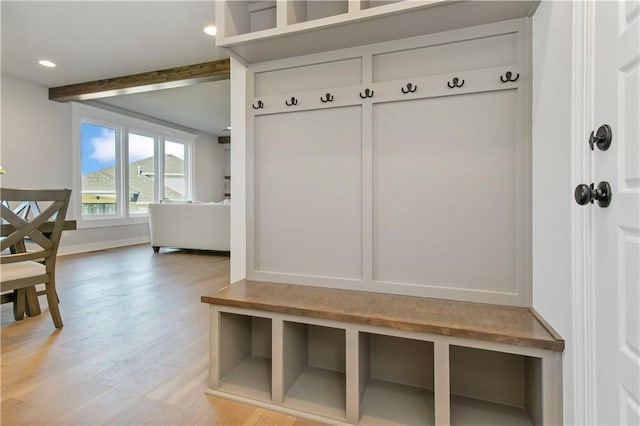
(583, 274)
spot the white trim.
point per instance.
(462, 34)
(128, 121)
(101, 245)
(241, 168)
(584, 403)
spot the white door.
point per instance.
(616, 228)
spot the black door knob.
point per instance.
(585, 194)
(601, 138)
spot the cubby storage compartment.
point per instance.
(314, 369)
(242, 17)
(368, 4)
(310, 10)
(395, 380)
(494, 388)
(421, 364)
(245, 356)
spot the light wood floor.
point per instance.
(133, 350)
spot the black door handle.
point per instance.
(601, 138)
(585, 194)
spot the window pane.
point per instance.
(175, 184)
(141, 173)
(98, 153)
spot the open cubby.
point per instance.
(495, 388)
(314, 369)
(305, 10)
(369, 4)
(244, 17)
(245, 356)
(396, 380)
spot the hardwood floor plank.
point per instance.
(133, 350)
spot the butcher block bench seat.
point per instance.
(352, 357)
(492, 323)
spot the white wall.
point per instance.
(211, 165)
(36, 152)
(552, 178)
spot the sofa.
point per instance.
(200, 226)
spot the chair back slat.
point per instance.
(27, 222)
(21, 257)
(29, 227)
(26, 208)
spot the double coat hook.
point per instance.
(507, 77)
(367, 94)
(327, 98)
(456, 82)
(260, 105)
(293, 102)
(410, 88)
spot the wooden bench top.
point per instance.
(479, 321)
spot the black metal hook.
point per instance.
(454, 83)
(294, 101)
(367, 94)
(260, 105)
(410, 88)
(327, 98)
(507, 77)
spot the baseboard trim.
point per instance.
(101, 245)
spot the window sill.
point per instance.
(86, 223)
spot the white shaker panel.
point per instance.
(444, 192)
(326, 75)
(308, 184)
(483, 52)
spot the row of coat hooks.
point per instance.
(456, 82)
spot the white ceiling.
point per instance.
(92, 40)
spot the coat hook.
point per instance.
(294, 101)
(367, 94)
(454, 83)
(260, 105)
(327, 98)
(410, 88)
(507, 77)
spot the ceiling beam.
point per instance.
(143, 82)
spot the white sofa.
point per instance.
(201, 226)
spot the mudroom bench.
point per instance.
(353, 357)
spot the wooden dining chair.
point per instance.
(24, 269)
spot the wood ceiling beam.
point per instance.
(143, 82)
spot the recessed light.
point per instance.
(211, 30)
(46, 63)
(227, 129)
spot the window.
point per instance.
(174, 170)
(141, 162)
(124, 164)
(99, 186)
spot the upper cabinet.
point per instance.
(262, 30)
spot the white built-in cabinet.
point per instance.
(400, 167)
(261, 30)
